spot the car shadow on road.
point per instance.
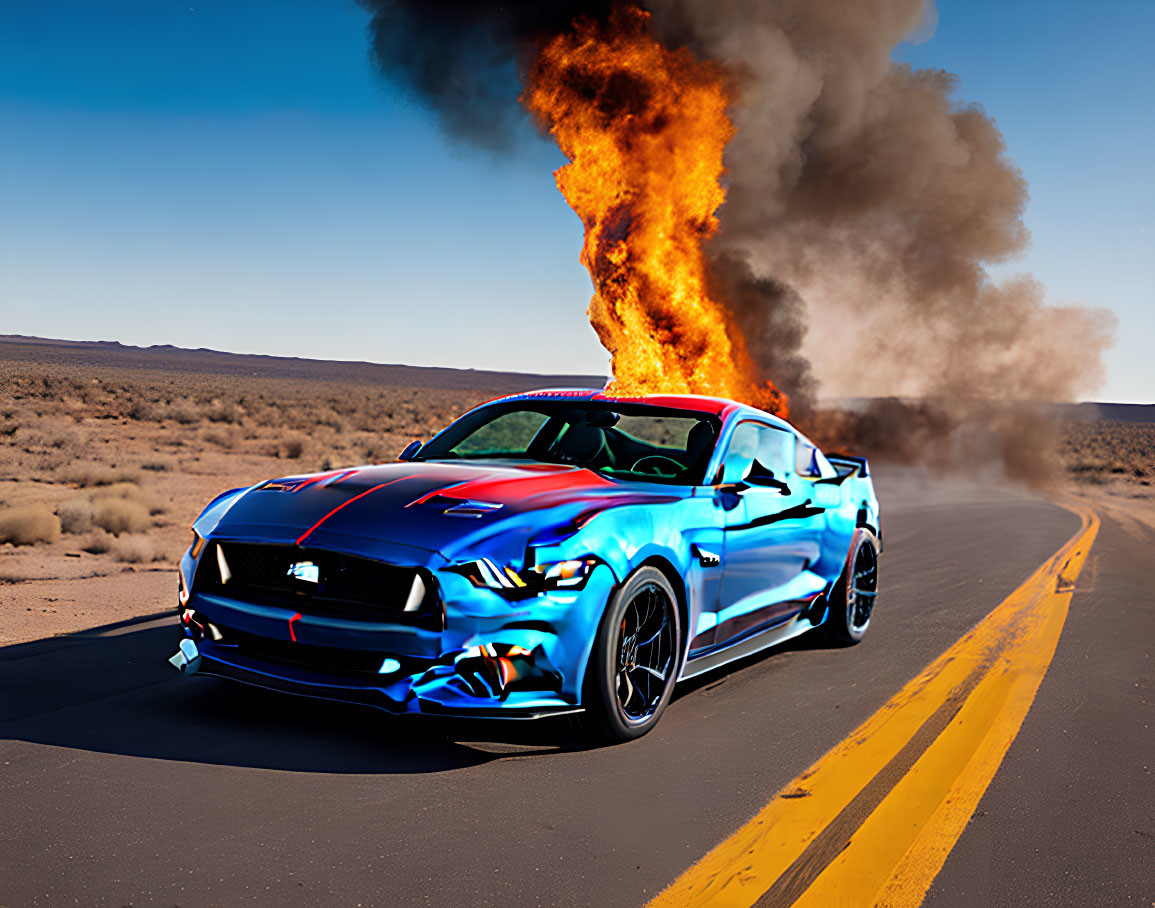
(112, 691)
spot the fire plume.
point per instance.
(644, 127)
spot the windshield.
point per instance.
(618, 440)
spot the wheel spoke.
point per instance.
(624, 676)
(660, 675)
(645, 652)
(653, 636)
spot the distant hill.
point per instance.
(112, 354)
(1120, 412)
(165, 357)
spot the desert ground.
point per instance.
(107, 453)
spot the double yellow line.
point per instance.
(873, 821)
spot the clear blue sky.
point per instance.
(234, 175)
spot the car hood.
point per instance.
(446, 508)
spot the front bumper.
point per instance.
(493, 658)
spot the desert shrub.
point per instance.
(227, 438)
(49, 433)
(156, 466)
(98, 543)
(142, 409)
(329, 417)
(91, 474)
(136, 550)
(28, 525)
(127, 490)
(75, 515)
(50, 463)
(120, 515)
(183, 411)
(293, 447)
(219, 411)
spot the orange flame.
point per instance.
(644, 127)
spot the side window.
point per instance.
(774, 450)
(805, 463)
(809, 461)
(752, 441)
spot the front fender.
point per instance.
(680, 537)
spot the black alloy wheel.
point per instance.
(853, 599)
(864, 588)
(645, 652)
(635, 659)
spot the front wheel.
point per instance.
(852, 602)
(634, 662)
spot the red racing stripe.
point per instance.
(305, 535)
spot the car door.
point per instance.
(772, 533)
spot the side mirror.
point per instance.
(410, 451)
(759, 475)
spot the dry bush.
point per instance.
(120, 515)
(329, 417)
(186, 412)
(220, 411)
(99, 543)
(28, 525)
(126, 491)
(156, 466)
(129, 491)
(49, 433)
(374, 449)
(50, 463)
(142, 409)
(75, 515)
(293, 447)
(91, 474)
(136, 550)
(227, 438)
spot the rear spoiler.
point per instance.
(848, 463)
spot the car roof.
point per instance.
(717, 406)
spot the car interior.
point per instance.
(671, 446)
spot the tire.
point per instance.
(623, 703)
(852, 602)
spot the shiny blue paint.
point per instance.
(743, 561)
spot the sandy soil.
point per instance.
(59, 587)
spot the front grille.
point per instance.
(327, 659)
(323, 583)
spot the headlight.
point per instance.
(564, 573)
(568, 575)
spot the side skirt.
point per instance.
(756, 642)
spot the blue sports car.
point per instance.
(547, 553)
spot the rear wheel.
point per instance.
(634, 662)
(852, 603)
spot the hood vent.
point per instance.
(471, 508)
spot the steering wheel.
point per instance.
(656, 462)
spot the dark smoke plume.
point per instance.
(465, 59)
(864, 208)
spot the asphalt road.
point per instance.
(123, 783)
